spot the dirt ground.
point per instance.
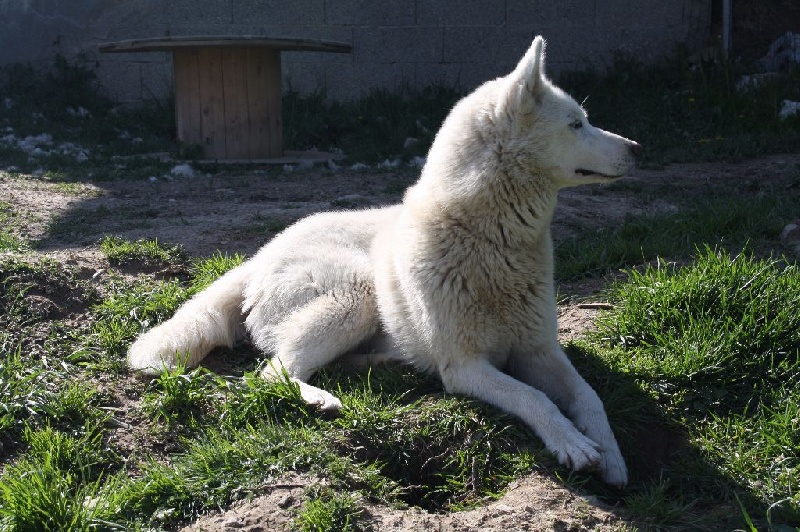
(238, 212)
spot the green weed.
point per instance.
(180, 397)
(706, 349)
(252, 400)
(124, 313)
(22, 393)
(8, 241)
(206, 271)
(657, 506)
(328, 510)
(146, 252)
(59, 484)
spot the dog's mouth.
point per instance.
(592, 173)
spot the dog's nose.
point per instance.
(636, 149)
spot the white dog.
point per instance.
(457, 280)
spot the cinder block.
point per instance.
(304, 78)
(275, 13)
(369, 12)
(571, 49)
(658, 42)
(120, 80)
(129, 20)
(472, 45)
(156, 80)
(462, 76)
(190, 12)
(643, 13)
(347, 82)
(563, 14)
(397, 45)
(463, 13)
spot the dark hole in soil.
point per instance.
(656, 447)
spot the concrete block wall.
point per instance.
(395, 42)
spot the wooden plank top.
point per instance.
(162, 44)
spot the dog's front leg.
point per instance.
(550, 371)
(479, 379)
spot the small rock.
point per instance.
(394, 163)
(502, 509)
(790, 231)
(182, 170)
(789, 108)
(417, 162)
(410, 143)
(790, 236)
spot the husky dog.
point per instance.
(456, 280)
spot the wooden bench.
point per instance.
(228, 90)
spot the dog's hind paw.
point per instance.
(319, 398)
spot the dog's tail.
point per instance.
(211, 318)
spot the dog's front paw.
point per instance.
(612, 468)
(578, 453)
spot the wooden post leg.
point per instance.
(264, 103)
(186, 72)
(229, 101)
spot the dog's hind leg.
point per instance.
(317, 333)
(550, 371)
(478, 378)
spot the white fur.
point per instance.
(458, 279)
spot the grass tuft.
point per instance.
(59, 484)
(146, 252)
(326, 509)
(715, 344)
(206, 271)
(179, 397)
(729, 221)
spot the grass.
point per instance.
(59, 483)
(8, 241)
(145, 252)
(706, 349)
(714, 344)
(728, 220)
(325, 509)
(699, 351)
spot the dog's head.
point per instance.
(548, 133)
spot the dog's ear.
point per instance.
(528, 79)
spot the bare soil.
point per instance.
(237, 212)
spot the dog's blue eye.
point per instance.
(576, 125)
